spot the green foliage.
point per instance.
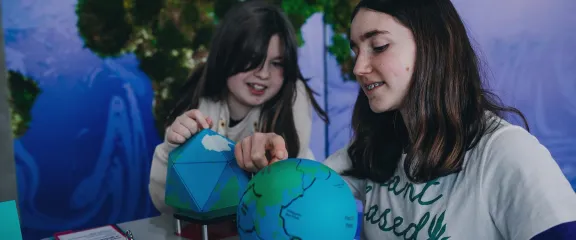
(102, 25)
(340, 48)
(144, 11)
(170, 37)
(298, 11)
(222, 6)
(22, 95)
(337, 14)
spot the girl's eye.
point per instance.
(277, 64)
(381, 48)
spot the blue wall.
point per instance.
(85, 160)
(529, 47)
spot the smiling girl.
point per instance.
(250, 83)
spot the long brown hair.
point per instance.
(240, 44)
(445, 109)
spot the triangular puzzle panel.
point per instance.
(177, 195)
(229, 189)
(200, 179)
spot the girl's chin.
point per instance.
(254, 101)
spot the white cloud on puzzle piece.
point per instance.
(216, 143)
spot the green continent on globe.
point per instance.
(261, 190)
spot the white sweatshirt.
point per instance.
(218, 112)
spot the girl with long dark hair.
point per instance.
(250, 83)
(432, 156)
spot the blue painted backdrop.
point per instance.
(85, 160)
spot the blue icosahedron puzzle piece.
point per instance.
(203, 175)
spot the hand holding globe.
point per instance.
(291, 198)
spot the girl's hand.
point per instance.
(250, 153)
(186, 125)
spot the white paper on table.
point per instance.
(101, 233)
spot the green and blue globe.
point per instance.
(297, 199)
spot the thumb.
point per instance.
(278, 155)
(209, 121)
(277, 147)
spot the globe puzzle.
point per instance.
(297, 199)
(203, 175)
